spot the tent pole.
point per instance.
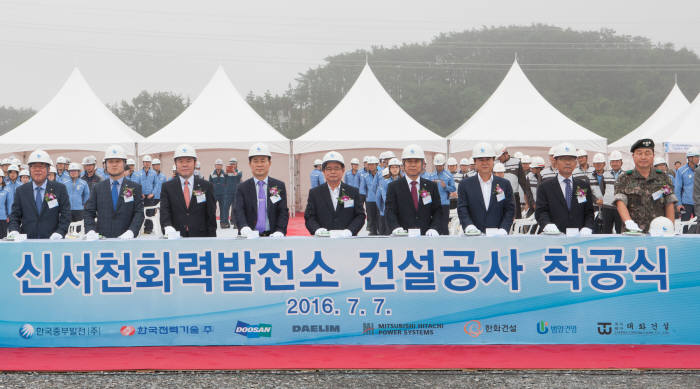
(292, 182)
(448, 148)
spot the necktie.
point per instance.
(262, 208)
(38, 199)
(414, 194)
(115, 194)
(186, 192)
(568, 193)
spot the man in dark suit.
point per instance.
(41, 208)
(334, 205)
(261, 201)
(564, 201)
(485, 200)
(116, 202)
(411, 201)
(187, 203)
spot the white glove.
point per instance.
(13, 234)
(128, 235)
(632, 226)
(551, 229)
(431, 233)
(320, 231)
(585, 231)
(92, 235)
(245, 231)
(56, 236)
(471, 229)
(277, 235)
(347, 233)
(170, 232)
(502, 232)
(399, 231)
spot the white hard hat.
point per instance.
(382, 155)
(464, 161)
(412, 151)
(185, 151)
(537, 161)
(518, 155)
(692, 152)
(389, 154)
(12, 168)
(333, 156)
(499, 168)
(439, 160)
(386, 172)
(146, 158)
(24, 173)
(599, 158)
(52, 169)
(130, 162)
(365, 158)
(526, 159)
(551, 150)
(581, 153)
(317, 162)
(5, 161)
(233, 160)
(218, 162)
(483, 150)
(372, 159)
(615, 156)
(15, 160)
(394, 162)
(74, 166)
(115, 152)
(661, 226)
(659, 161)
(470, 160)
(500, 149)
(38, 156)
(156, 161)
(565, 150)
(61, 159)
(89, 160)
(354, 161)
(259, 149)
(452, 161)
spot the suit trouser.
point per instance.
(223, 209)
(445, 220)
(518, 210)
(611, 218)
(372, 216)
(3, 229)
(687, 215)
(147, 224)
(230, 206)
(381, 225)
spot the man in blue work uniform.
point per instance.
(90, 176)
(147, 178)
(446, 185)
(352, 176)
(160, 179)
(217, 178)
(62, 174)
(683, 186)
(368, 185)
(78, 193)
(317, 177)
(233, 179)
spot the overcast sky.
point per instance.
(123, 47)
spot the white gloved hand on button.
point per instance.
(502, 232)
(347, 233)
(585, 231)
(171, 233)
(56, 236)
(245, 231)
(92, 235)
(127, 235)
(399, 231)
(13, 234)
(471, 229)
(321, 231)
(632, 226)
(431, 233)
(551, 229)
(277, 235)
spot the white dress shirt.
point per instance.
(190, 184)
(267, 219)
(486, 189)
(417, 185)
(335, 193)
(562, 185)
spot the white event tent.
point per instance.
(517, 115)
(684, 131)
(74, 120)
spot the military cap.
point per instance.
(642, 143)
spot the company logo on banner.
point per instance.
(26, 331)
(604, 328)
(253, 331)
(542, 327)
(127, 330)
(473, 328)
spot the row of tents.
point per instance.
(221, 124)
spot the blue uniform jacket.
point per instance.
(683, 185)
(317, 178)
(78, 193)
(449, 187)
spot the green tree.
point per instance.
(149, 112)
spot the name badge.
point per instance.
(581, 199)
(128, 199)
(275, 199)
(658, 194)
(500, 197)
(427, 200)
(201, 198)
(52, 204)
(349, 203)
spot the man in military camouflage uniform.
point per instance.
(643, 193)
(516, 177)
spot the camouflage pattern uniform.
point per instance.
(636, 192)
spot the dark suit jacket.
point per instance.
(199, 220)
(551, 205)
(471, 208)
(25, 218)
(399, 210)
(111, 223)
(320, 213)
(246, 206)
